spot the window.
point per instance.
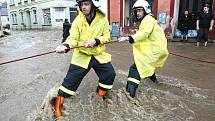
(35, 16)
(20, 2)
(73, 14)
(22, 17)
(59, 14)
(14, 18)
(47, 16)
(12, 2)
(25, 1)
(129, 19)
(59, 9)
(151, 3)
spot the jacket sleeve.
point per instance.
(105, 37)
(145, 29)
(74, 36)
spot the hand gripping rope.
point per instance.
(46, 53)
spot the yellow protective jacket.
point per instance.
(81, 32)
(149, 47)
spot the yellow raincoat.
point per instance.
(81, 32)
(149, 47)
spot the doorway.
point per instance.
(28, 22)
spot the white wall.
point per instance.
(4, 20)
(104, 6)
(44, 4)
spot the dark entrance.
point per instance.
(73, 14)
(194, 7)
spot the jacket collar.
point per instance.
(98, 15)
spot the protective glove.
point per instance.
(90, 43)
(123, 39)
(61, 49)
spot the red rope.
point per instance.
(192, 58)
(25, 58)
(46, 53)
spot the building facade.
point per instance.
(1, 28)
(34, 14)
(167, 12)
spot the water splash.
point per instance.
(172, 99)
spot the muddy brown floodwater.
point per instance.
(186, 92)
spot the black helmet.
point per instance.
(78, 1)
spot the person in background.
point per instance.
(149, 47)
(185, 25)
(66, 28)
(204, 24)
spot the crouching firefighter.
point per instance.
(149, 47)
(91, 30)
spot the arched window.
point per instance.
(21, 16)
(34, 16)
(14, 18)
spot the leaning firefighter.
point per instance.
(149, 47)
(91, 30)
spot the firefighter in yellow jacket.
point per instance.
(90, 29)
(149, 47)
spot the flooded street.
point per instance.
(186, 92)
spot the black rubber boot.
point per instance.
(131, 88)
(154, 79)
